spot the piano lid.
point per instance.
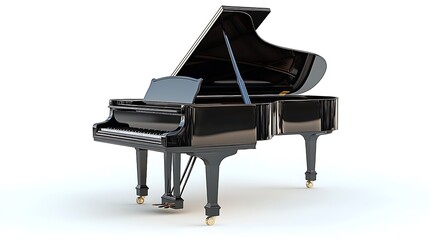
(266, 69)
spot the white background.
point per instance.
(61, 61)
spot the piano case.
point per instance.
(231, 90)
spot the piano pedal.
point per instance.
(164, 205)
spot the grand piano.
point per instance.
(231, 90)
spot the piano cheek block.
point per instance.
(224, 125)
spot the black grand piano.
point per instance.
(231, 90)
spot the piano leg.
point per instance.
(310, 148)
(212, 162)
(172, 197)
(167, 173)
(141, 188)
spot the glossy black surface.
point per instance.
(222, 120)
(265, 68)
(197, 125)
(279, 115)
(223, 124)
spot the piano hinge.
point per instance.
(284, 93)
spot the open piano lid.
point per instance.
(266, 69)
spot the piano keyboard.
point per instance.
(145, 134)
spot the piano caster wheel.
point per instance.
(309, 184)
(210, 221)
(140, 199)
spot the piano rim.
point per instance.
(293, 98)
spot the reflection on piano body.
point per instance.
(231, 90)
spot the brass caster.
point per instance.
(309, 184)
(210, 221)
(140, 200)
